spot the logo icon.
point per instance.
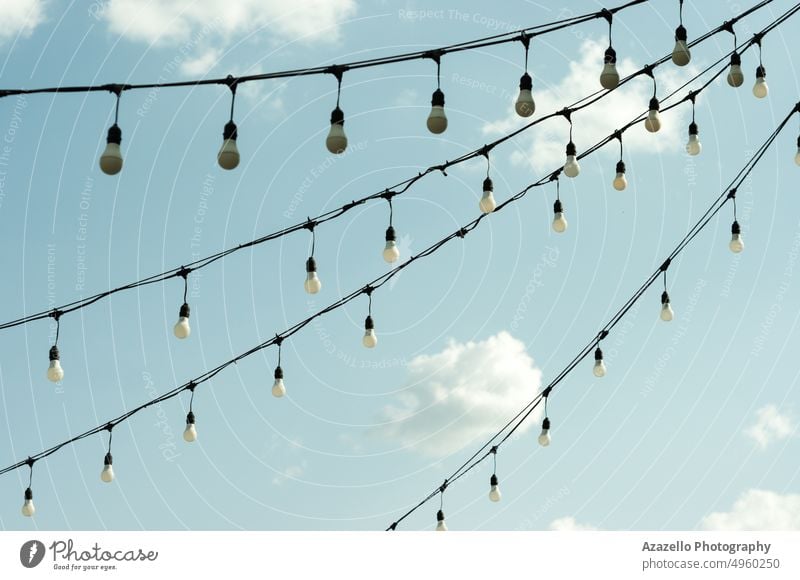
(31, 553)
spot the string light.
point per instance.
(370, 339)
(797, 155)
(609, 78)
(620, 183)
(278, 388)
(525, 106)
(736, 244)
(391, 253)
(681, 54)
(437, 120)
(28, 508)
(599, 368)
(693, 145)
(441, 526)
(54, 372)
(190, 432)
(107, 475)
(544, 436)
(312, 283)
(760, 88)
(228, 156)
(487, 203)
(559, 221)
(735, 75)
(182, 329)
(571, 167)
(336, 142)
(494, 486)
(653, 122)
(667, 313)
(111, 158)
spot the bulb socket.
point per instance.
(664, 297)
(114, 134)
(369, 324)
(488, 185)
(28, 494)
(525, 82)
(680, 33)
(54, 353)
(620, 166)
(654, 104)
(761, 72)
(571, 149)
(693, 128)
(278, 373)
(184, 312)
(437, 99)
(798, 142)
(736, 59)
(190, 418)
(493, 479)
(735, 229)
(108, 459)
(610, 56)
(546, 424)
(598, 354)
(390, 235)
(337, 117)
(230, 131)
(440, 516)
(557, 207)
(311, 265)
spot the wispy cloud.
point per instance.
(757, 509)
(290, 472)
(568, 524)
(770, 426)
(460, 394)
(20, 18)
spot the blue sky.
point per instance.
(695, 424)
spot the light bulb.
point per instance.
(760, 89)
(370, 340)
(440, 525)
(620, 183)
(735, 76)
(797, 155)
(559, 221)
(278, 388)
(391, 252)
(437, 120)
(494, 492)
(525, 105)
(544, 436)
(111, 159)
(680, 54)
(54, 372)
(737, 243)
(487, 203)
(28, 509)
(312, 284)
(228, 156)
(182, 328)
(609, 78)
(337, 140)
(571, 167)
(107, 475)
(653, 122)
(190, 433)
(599, 368)
(666, 310)
(693, 146)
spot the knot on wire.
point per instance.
(278, 339)
(388, 195)
(493, 450)
(434, 55)
(183, 272)
(231, 81)
(546, 392)
(368, 290)
(191, 386)
(109, 427)
(607, 14)
(443, 168)
(648, 70)
(665, 265)
(566, 112)
(732, 194)
(602, 334)
(310, 225)
(444, 485)
(461, 233)
(727, 26)
(30, 461)
(116, 88)
(554, 176)
(56, 314)
(337, 71)
(525, 39)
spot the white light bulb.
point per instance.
(797, 157)
(487, 203)
(190, 433)
(437, 120)
(760, 89)
(693, 146)
(278, 388)
(228, 156)
(391, 253)
(653, 122)
(111, 158)
(620, 182)
(494, 491)
(737, 243)
(666, 309)
(107, 475)
(735, 76)
(28, 509)
(54, 372)
(336, 142)
(440, 525)
(609, 78)
(370, 339)
(599, 368)
(571, 167)
(525, 105)
(680, 54)
(182, 328)
(312, 284)
(544, 436)
(559, 221)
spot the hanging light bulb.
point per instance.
(337, 140)
(559, 221)
(228, 156)
(620, 183)
(487, 203)
(278, 388)
(370, 340)
(54, 372)
(653, 122)
(107, 475)
(111, 158)
(693, 145)
(737, 243)
(28, 509)
(571, 167)
(760, 89)
(440, 525)
(525, 105)
(544, 436)
(666, 310)
(182, 328)
(391, 252)
(797, 155)
(190, 433)
(437, 120)
(609, 78)
(735, 76)
(680, 54)
(494, 492)
(599, 368)
(312, 284)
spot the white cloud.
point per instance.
(21, 17)
(546, 143)
(171, 22)
(568, 524)
(770, 426)
(757, 509)
(291, 472)
(462, 393)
